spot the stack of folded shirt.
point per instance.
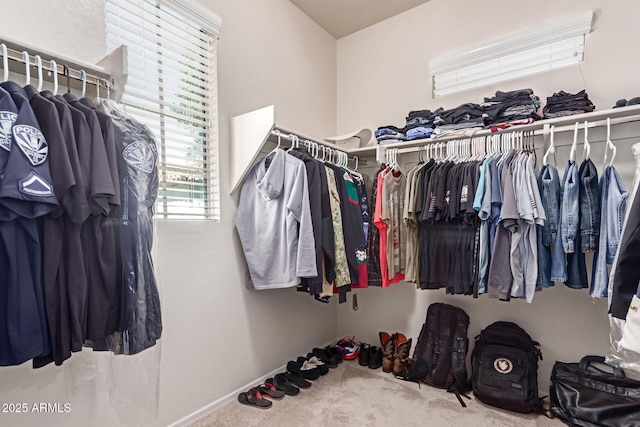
(390, 134)
(515, 107)
(420, 124)
(463, 117)
(564, 104)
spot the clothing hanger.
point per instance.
(53, 70)
(294, 141)
(65, 72)
(278, 135)
(609, 145)
(38, 64)
(5, 62)
(572, 155)
(97, 89)
(83, 78)
(587, 147)
(551, 149)
(27, 71)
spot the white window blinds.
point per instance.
(543, 49)
(172, 88)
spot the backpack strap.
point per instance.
(459, 349)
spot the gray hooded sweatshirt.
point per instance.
(274, 223)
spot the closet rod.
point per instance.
(286, 134)
(536, 132)
(95, 74)
(18, 66)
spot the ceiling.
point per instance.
(343, 17)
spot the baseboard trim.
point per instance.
(217, 404)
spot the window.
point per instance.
(546, 48)
(172, 88)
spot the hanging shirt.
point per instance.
(500, 270)
(99, 234)
(140, 322)
(312, 166)
(26, 193)
(613, 205)
(343, 277)
(361, 250)
(77, 211)
(274, 223)
(53, 234)
(373, 241)
(410, 223)
(484, 213)
(391, 214)
(382, 227)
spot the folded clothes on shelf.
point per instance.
(563, 104)
(511, 106)
(390, 134)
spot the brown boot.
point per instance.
(387, 343)
(401, 353)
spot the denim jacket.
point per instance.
(613, 203)
(570, 211)
(549, 185)
(589, 206)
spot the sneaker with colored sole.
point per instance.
(349, 348)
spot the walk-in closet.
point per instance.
(303, 213)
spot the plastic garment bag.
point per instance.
(619, 355)
(141, 323)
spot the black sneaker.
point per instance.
(375, 358)
(365, 352)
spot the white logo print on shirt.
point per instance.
(140, 156)
(7, 119)
(32, 143)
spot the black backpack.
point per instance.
(439, 358)
(505, 368)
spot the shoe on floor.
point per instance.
(387, 343)
(401, 353)
(269, 391)
(255, 399)
(349, 348)
(280, 382)
(308, 371)
(326, 356)
(313, 360)
(375, 358)
(365, 355)
(297, 379)
(336, 355)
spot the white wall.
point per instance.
(383, 74)
(218, 336)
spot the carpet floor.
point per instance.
(353, 395)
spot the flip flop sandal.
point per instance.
(308, 371)
(322, 367)
(270, 391)
(255, 399)
(280, 382)
(297, 378)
